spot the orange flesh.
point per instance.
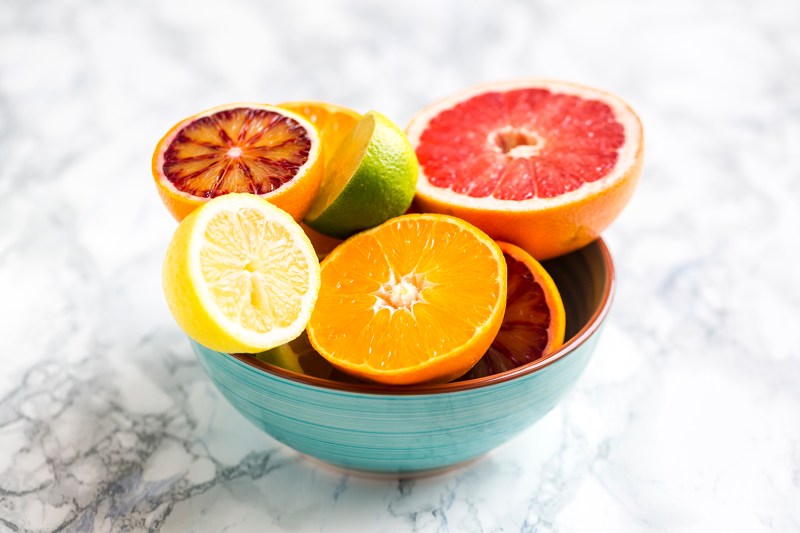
(332, 122)
(244, 150)
(410, 291)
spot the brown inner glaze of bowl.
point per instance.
(586, 291)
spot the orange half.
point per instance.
(418, 299)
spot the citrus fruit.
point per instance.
(244, 148)
(240, 275)
(333, 122)
(534, 321)
(322, 243)
(370, 178)
(418, 299)
(298, 356)
(545, 165)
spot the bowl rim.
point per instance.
(588, 329)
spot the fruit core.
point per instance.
(400, 293)
(514, 142)
(249, 150)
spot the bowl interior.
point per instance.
(585, 279)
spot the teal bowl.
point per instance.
(402, 430)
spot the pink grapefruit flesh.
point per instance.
(520, 144)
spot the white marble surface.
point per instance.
(687, 419)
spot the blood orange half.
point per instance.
(534, 321)
(546, 165)
(239, 148)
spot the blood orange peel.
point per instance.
(259, 149)
(544, 164)
(534, 321)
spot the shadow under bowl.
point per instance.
(402, 430)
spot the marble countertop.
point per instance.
(686, 420)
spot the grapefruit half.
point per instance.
(546, 165)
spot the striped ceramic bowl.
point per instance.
(413, 429)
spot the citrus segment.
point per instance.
(369, 179)
(240, 275)
(244, 148)
(546, 165)
(534, 320)
(417, 299)
(332, 121)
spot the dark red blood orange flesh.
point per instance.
(524, 333)
(520, 144)
(236, 150)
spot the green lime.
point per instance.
(369, 179)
